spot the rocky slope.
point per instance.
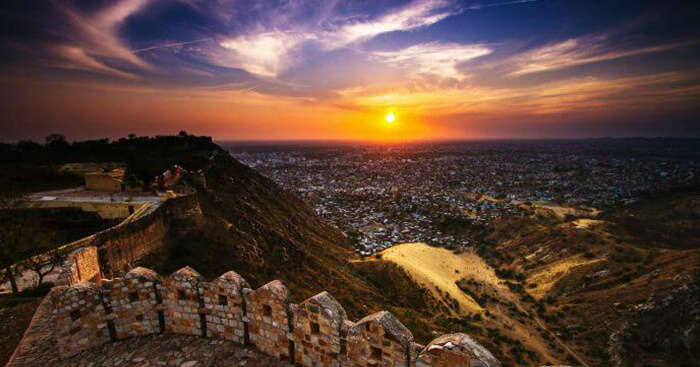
(621, 290)
(250, 224)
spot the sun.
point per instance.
(390, 118)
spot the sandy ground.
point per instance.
(587, 223)
(547, 276)
(434, 266)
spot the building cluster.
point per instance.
(111, 177)
(384, 195)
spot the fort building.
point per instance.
(111, 181)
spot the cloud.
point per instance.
(95, 37)
(494, 5)
(434, 58)
(263, 53)
(77, 58)
(266, 51)
(418, 14)
(570, 95)
(579, 51)
(171, 45)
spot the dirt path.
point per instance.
(561, 343)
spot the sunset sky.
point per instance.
(325, 69)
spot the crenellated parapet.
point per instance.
(455, 350)
(131, 303)
(318, 331)
(315, 332)
(225, 307)
(269, 323)
(183, 302)
(380, 339)
(81, 321)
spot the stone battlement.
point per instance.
(315, 332)
(113, 251)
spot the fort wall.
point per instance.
(315, 332)
(119, 247)
(83, 265)
(105, 210)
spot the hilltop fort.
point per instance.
(87, 311)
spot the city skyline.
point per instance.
(305, 70)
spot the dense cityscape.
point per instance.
(383, 195)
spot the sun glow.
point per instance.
(390, 118)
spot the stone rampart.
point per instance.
(80, 318)
(131, 302)
(106, 210)
(83, 265)
(118, 248)
(315, 332)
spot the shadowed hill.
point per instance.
(251, 224)
(248, 222)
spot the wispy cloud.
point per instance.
(572, 95)
(96, 37)
(77, 58)
(418, 14)
(494, 5)
(171, 45)
(579, 51)
(265, 51)
(434, 58)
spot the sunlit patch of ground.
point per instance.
(561, 211)
(545, 277)
(434, 266)
(587, 223)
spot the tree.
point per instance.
(44, 265)
(20, 239)
(56, 140)
(143, 170)
(8, 253)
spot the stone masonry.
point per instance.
(453, 350)
(81, 322)
(224, 304)
(131, 301)
(313, 333)
(379, 339)
(318, 323)
(183, 303)
(268, 318)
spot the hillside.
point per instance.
(250, 224)
(621, 289)
(247, 223)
